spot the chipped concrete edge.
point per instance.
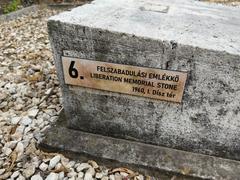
(138, 154)
(66, 4)
(19, 13)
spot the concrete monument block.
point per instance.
(194, 41)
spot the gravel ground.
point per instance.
(30, 100)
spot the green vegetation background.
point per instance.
(12, 6)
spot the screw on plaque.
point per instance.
(81, 77)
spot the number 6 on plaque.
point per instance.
(72, 71)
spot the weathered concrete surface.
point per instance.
(188, 22)
(184, 35)
(154, 160)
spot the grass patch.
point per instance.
(12, 6)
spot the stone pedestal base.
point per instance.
(154, 160)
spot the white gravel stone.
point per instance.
(54, 161)
(52, 176)
(99, 175)
(112, 177)
(20, 129)
(93, 164)
(2, 171)
(27, 129)
(15, 120)
(105, 178)
(124, 174)
(3, 104)
(7, 151)
(76, 165)
(43, 166)
(48, 91)
(88, 176)
(91, 171)
(15, 174)
(20, 165)
(46, 160)
(72, 173)
(36, 177)
(20, 177)
(29, 171)
(32, 113)
(26, 121)
(11, 144)
(17, 136)
(141, 177)
(70, 163)
(6, 175)
(61, 175)
(80, 175)
(83, 166)
(58, 166)
(19, 107)
(117, 176)
(35, 161)
(19, 150)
